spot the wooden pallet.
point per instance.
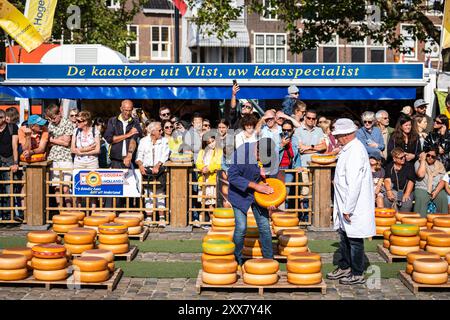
(69, 283)
(281, 284)
(415, 287)
(388, 256)
(129, 256)
(142, 236)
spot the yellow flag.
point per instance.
(41, 13)
(18, 27)
(446, 26)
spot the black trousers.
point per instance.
(352, 253)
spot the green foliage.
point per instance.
(322, 19)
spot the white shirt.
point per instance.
(150, 154)
(241, 138)
(354, 192)
(124, 144)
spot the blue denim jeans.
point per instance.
(352, 253)
(265, 236)
(288, 178)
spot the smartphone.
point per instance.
(234, 82)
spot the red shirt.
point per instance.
(288, 155)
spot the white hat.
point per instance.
(344, 126)
(292, 89)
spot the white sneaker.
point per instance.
(196, 223)
(205, 227)
(162, 222)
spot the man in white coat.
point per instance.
(354, 204)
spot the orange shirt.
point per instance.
(35, 138)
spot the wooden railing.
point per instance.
(13, 208)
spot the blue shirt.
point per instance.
(367, 137)
(307, 138)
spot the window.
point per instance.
(330, 51)
(377, 51)
(270, 47)
(113, 4)
(133, 46)
(435, 7)
(160, 43)
(410, 44)
(267, 14)
(309, 55)
(358, 51)
(432, 49)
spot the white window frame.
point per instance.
(275, 46)
(331, 45)
(135, 42)
(160, 42)
(113, 4)
(433, 12)
(271, 17)
(410, 58)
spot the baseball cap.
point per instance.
(35, 119)
(420, 102)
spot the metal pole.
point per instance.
(177, 36)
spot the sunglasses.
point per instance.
(171, 127)
(73, 115)
(81, 121)
(295, 93)
(207, 125)
(247, 107)
(309, 118)
(438, 122)
(402, 157)
(270, 119)
(368, 122)
(431, 156)
(165, 114)
(287, 130)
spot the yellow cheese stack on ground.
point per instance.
(49, 262)
(431, 216)
(79, 214)
(419, 221)
(109, 214)
(218, 249)
(260, 272)
(252, 247)
(430, 271)
(138, 215)
(412, 256)
(442, 223)
(91, 269)
(384, 218)
(386, 235)
(114, 236)
(13, 267)
(400, 215)
(77, 242)
(438, 243)
(424, 233)
(93, 222)
(222, 235)
(283, 221)
(41, 237)
(62, 223)
(404, 239)
(291, 243)
(219, 271)
(223, 219)
(134, 224)
(108, 255)
(304, 271)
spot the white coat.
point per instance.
(354, 192)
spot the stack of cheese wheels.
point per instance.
(223, 219)
(93, 222)
(290, 231)
(134, 224)
(108, 255)
(384, 218)
(430, 271)
(76, 242)
(290, 243)
(218, 249)
(90, 269)
(404, 239)
(138, 215)
(442, 223)
(109, 214)
(260, 272)
(252, 244)
(424, 233)
(49, 262)
(304, 271)
(419, 221)
(24, 251)
(438, 243)
(400, 215)
(41, 237)
(283, 221)
(79, 214)
(219, 235)
(82, 229)
(113, 236)
(412, 256)
(219, 271)
(431, 216)
(251, 221)
(62, 223)
(304, 255)
(13, 267)
(386, 235)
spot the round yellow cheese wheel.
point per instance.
(251, 222)
(219, 266)
(304, 255)
(404, 241)
(218, 237)
(260, 279)
(291, 231)
(303, 266)
(134, 230)
(113, 238)
(402, 251)
(274, 199)
(286, 251)
(422, 244)
(383, 222)
(78, 248)
(277, 229)
(293, 240)
(108, 255)
(386, 244)
(423, 234)
(42, 236)
(115, 248)
(111, 215)
(49, 251)
(218, 247)
(304, 279)
(401, 215)
(223, 222)
(430, 265)
(51, 275)
(261, 266)
(439, 240)
(14, 274)
(283, 221)
(429, 225)
(65, 219)
(111, 267)
(442, 251)
(252, 242)
(138, 215)
(431, 216)
(82, 229)
(90, 264)
(25, 251)
(79, 214)
(217, 228)
(95, 221)
(32, 244)
(49, 264)
(442, 222)
(379, 230)
(412, 256)
(72, 237)
(206, 256)
(219, 279)
(386, 234)
(405, 230)
(385, 212)
(447, 257)
(425, 278)
(252, 232)
(443, 229)
(421, 222)
(225, 213)
(12, 261)
(128, 221)
(252, 251)
(112, 228)
(409, 268)
(64, 228)
(92, 277)
(323, 159)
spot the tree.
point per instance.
(98, 23)
(312, 22)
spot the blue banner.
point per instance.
(215, 71)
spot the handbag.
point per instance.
(431, 207)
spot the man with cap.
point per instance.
(420, 106)
(33, 138)
(354, 204)
(235, 117)
(290, 100)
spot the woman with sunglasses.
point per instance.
(167, 129)
(406, 138)
(370, 135)
(439, 139)
(429, 184)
